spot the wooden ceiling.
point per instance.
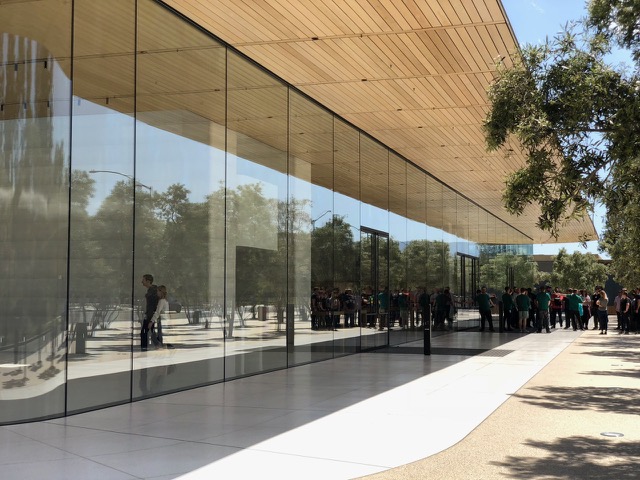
(411, 73)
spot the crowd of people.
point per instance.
(521, 309)
(332, 309)
(405, 309)
(525, 310)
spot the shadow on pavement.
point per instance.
(577, 457)
(624, 351)
(601, 399)
(626, 373)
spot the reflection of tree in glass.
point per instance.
(181, 260)
(494, 270)
(333, 254)
(33, 196)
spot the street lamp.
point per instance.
(136, 183)
(313, 222)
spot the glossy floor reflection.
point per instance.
(338, 419)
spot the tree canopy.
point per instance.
(577, 270)
(577, 118)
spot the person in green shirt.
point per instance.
(523, 303)
(574, 309)
(383, 307)
(507, 307)
(484, 306)
(543, 299)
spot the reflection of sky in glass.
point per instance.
(198, 166)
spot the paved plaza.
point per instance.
(483, 406)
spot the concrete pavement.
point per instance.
(552, 427)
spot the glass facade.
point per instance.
(133, 143)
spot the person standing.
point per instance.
(383, 307)
(543, 299)
(625, 308)
(155, 324)
(556, 307)
(603, 314)
(335, 307)
(424, 304)
(507, 306)
(315, 308)
(636, 310)
(533, 311)
(449, 309)
(441, 310)
(404, 303)
(484, 306)
(349, 302)
(151, 298)
(616, 303)
(574, 300)
(594, 307)
(523, 303)
(586, 308)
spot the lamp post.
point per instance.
(313, 222)
(136, 183)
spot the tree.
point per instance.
(577, 270)
(577, 119)
(34, 196)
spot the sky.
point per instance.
(532, 22)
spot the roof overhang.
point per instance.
(411, 73)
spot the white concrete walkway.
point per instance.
(338, 419)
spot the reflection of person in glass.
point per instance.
(151, 298)
(155, 324)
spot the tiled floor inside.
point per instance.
(337, 419)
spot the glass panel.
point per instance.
(374, 184)
(179, 202)
(374, 268)
(311, 231)
(256, 234)
(436, 253)
(347, 233)
(374, 191)
(102, 196)
(474, 230)
(34, 198)
(400, 297)
(417, 247)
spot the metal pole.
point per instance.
(426, 325)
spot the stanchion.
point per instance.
(426, 325)
(501, 317)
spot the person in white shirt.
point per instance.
(163, 307)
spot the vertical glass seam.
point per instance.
(289, 323)
(225, 328)
(71, 89)
(133, 219)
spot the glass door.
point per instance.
(469, 275)
(374, 274)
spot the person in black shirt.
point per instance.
(151, 298)
(349, 304)
(635, 307)
(625, 310)
(594, 307)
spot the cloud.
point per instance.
(536, 7)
